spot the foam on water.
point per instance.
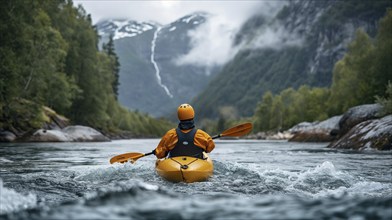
(140, 200)
(321, 181)
(11, 201)
(114, 173)
(5, 160)
(288, 182)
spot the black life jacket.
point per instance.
(185, 145)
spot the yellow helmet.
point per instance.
(185, 112)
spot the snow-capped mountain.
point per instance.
(150, 78)
(123, 28)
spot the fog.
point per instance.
(212, 42)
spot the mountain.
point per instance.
(299, 45)
(151, 79)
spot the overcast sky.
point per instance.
(166, 11)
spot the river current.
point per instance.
(252, 180)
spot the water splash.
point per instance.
(157, 71)
(11, 201)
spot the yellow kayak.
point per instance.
(185, 169)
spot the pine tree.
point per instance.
(115, 64)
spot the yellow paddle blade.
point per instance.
(238, 130)
(122, 158)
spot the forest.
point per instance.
(49, 56)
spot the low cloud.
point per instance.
(274, 37)
(212, 42)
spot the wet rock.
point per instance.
(280, 136)
(7, 136)
(315, 131)
(356, 115)
(323, 126)
(83, 133)
(311, 137)
(270, 136)
(68, 134)
(376, 133)
(43, 135)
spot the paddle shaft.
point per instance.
(148, 154)
(238, 127)
(216, 136)
(238, 130)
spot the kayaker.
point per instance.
(185, 140)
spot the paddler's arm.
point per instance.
(204, 140)
(167, 143)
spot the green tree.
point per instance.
(386, 101)
(382, 65)
(276, 114)
(351, 76)
(263, 114)
(114, 64)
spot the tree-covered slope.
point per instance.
(298, 46)
(49, 57)
(362, 76)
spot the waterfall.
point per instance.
(157, 72)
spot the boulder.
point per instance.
(84, 134)
(308, 136)
(279, 136)
(7, 136)
(356, 115)
(376, 134)
(315, 131)
(43, 135)
(270, 136)
(68, 134)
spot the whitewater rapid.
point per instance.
(252, 180)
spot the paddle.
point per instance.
(235, 131)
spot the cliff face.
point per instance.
(297, 46)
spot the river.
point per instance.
(252, 180)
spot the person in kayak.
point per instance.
(185, 140)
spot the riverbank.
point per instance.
(361, 127)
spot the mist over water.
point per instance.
(252, 180)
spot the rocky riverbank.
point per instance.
(361, 127)
(56, 128)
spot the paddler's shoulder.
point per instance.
(200, 132)
(171, 132)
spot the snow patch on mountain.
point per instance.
(123, 28)
(189, 18)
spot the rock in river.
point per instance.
(376, 133)
(356, 115)
(68, 134)
(315, 131)
(83, 133)
(7, 136)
